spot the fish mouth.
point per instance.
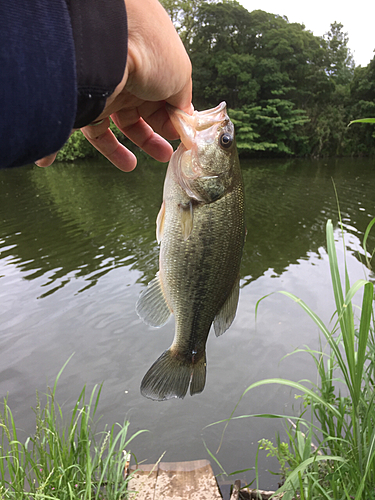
(187, 125)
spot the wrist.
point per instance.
(100, 39)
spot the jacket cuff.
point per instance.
(100, 40)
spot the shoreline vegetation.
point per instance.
(330, 450)
(66, 458)
(288, 92)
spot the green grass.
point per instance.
(330, 453)
(363, 120)
(65, 458)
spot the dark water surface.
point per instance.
(77, 245)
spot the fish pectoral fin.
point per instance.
(170, 377)
(187, 216)
(227, 313)
(160, 223)
(152, 306)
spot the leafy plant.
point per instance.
(75, 148)
(281, 452)
(345, 424)
(363, 120)
(78, 147)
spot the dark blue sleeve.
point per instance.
(37, 79)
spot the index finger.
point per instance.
(144, 136)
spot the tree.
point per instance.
(362, 105)
(278, 122)
(183, 15)
(222, 65)
(339, 60)
(289, 91)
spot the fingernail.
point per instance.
(94, 124)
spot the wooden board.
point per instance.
(192, 480)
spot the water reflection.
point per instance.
(289, 204)
(80, 220)
(83, 220)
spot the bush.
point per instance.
(78, 147)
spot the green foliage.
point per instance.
(331, 454)
(245, 136)
(65, 459)
(273, 128)
(304, 87)
(344, 424)
(79, 147)
(331, 132)
(339, 59)
(278, 120)
(281, 452)
(76, 147)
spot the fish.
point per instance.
(201, 232)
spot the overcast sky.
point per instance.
(357, 17)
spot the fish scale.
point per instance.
(201, 231)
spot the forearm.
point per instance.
(59, 62)
(37, 79)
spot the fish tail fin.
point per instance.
(170, 377)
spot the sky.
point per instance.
(317, 15)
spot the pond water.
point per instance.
(78, 245)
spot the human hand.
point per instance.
(158, 71)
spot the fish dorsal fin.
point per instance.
(160, 223)
(187, 218)
(227, 313)
(152, 306)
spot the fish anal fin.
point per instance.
(187, 217)
(227, 313)
(170, 377)
(152, 306)
(160, 223)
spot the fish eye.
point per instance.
(225, 140)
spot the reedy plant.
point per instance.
(344, 427)
(64, 459)
(332, 454)
(345, 424)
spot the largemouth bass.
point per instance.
(201, 231)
